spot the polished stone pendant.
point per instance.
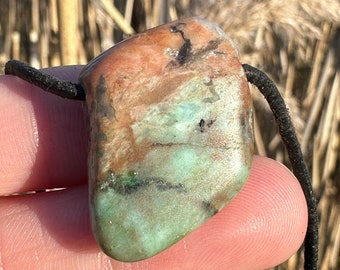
(171, 135)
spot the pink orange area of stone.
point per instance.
(171, 135)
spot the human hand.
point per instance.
(43, 145)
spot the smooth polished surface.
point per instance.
(171, 135)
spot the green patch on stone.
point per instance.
(126, 183)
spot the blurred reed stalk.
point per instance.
(297, 42)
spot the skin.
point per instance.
(43, 145)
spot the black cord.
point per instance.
(45, 81)
(287, 132)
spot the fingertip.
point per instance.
(18, 142)
(269, 215)
(49, 229)
(43, 139)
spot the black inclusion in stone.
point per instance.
(130, 183)
(184, 53)
(163, 186)
(209, 208)
(201, 125)
(103, 106)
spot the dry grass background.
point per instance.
(297, 42)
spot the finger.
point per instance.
(43, 138)
(261, 227)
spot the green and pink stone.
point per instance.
(171, 136)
